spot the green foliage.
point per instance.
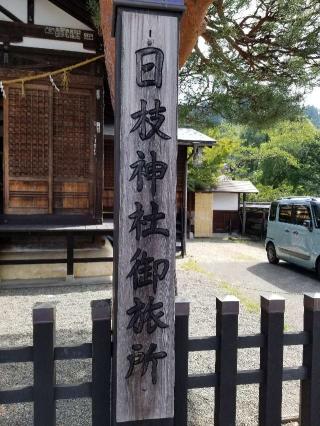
(286, 163)
(275, 164)
(254, 60)
(203, 177)
(292, 133)
(281, 161)
(94, 10)
(268, 193)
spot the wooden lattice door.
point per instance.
(49, 151)
(73, 152)
(27, 150)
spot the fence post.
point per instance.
(181, 363)
(271, 360)
(101, 362)
(43, 365)
(226, 361)
(70, 255)
(310, 389)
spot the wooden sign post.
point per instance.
(147, 34)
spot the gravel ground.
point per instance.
(212, 268)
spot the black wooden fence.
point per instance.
(45, 392)
(270, 376)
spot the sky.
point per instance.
(313, 98)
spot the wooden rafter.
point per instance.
(9, 14)
(31, 11)
(76, 8)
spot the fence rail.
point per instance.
(43, 354)
(70, 260)
(271, 374)
(271, 341)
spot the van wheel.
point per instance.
(272, 255)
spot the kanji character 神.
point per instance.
(153, 170)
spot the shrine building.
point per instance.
(56, 145)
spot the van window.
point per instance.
(273, 211)
(302, 213)
(285, 213)
(316, 213)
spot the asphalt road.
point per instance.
(215, 268)
(243, 265)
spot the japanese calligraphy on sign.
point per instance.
(146, 225)
(69, 33)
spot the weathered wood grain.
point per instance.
(137, 398)
(192, 26)
(53, 152)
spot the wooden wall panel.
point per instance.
(27, 150)
(73, 151)
(51, 146)
(108, 188)
(31, 195)
(203, 214)
(226, 221)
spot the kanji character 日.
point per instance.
(149, 67)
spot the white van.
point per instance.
(293, 232)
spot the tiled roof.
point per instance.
(240, 186)
(186, 136)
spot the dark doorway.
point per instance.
(1, 154)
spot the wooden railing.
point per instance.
(45, 391)
(270, 375)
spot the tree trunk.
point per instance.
(192, 26)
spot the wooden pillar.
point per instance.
(99, 154)
(70, 255)
(182, 363)
(226, 361)
(44, 374)
(271, 360)
(310, 389)
(244, 213)
(145, 210)
(185, 206)
(30, 11)
(101, 361)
